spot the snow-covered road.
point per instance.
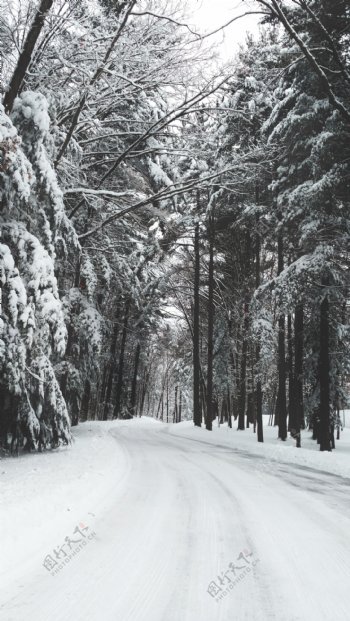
(183, 514)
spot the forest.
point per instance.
(174, 227)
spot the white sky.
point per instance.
(207, 15)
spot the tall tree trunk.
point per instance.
(167, 396)
(120, 374)
(259, 418)
(197, 413)
(281, 397)
(281, 405)
(250, 409)
(290, 366)
(145, 387)
(324, 370)
(298, 371)
(242, 405)
(229, 409)
(259, 396)
(243, 371)
(26, 54)
(176, 414)
(134, 380)
(209, 417)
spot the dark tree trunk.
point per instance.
(120, 374)
(243, 371)
(203, 399)
(290, 366)
(144, 388)
(324, 370)
(281, 406)
(231, 398)
(229, 409)
(250, 409)
(242, 405)
(167, 397)
(176, 414)
(26, 54)
(259, 418)
(209, 417)
(197, 413)
(281, 397)
(134, 381)
(259, 396)
(298, 372)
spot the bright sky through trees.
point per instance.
(208, 16)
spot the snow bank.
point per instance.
(274, 450)
(45, 495)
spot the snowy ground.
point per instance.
(153, 515)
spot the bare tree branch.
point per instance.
(231, 21)
(95, 78)
(164, 194)
(168, 19)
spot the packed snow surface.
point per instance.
(143, 521)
